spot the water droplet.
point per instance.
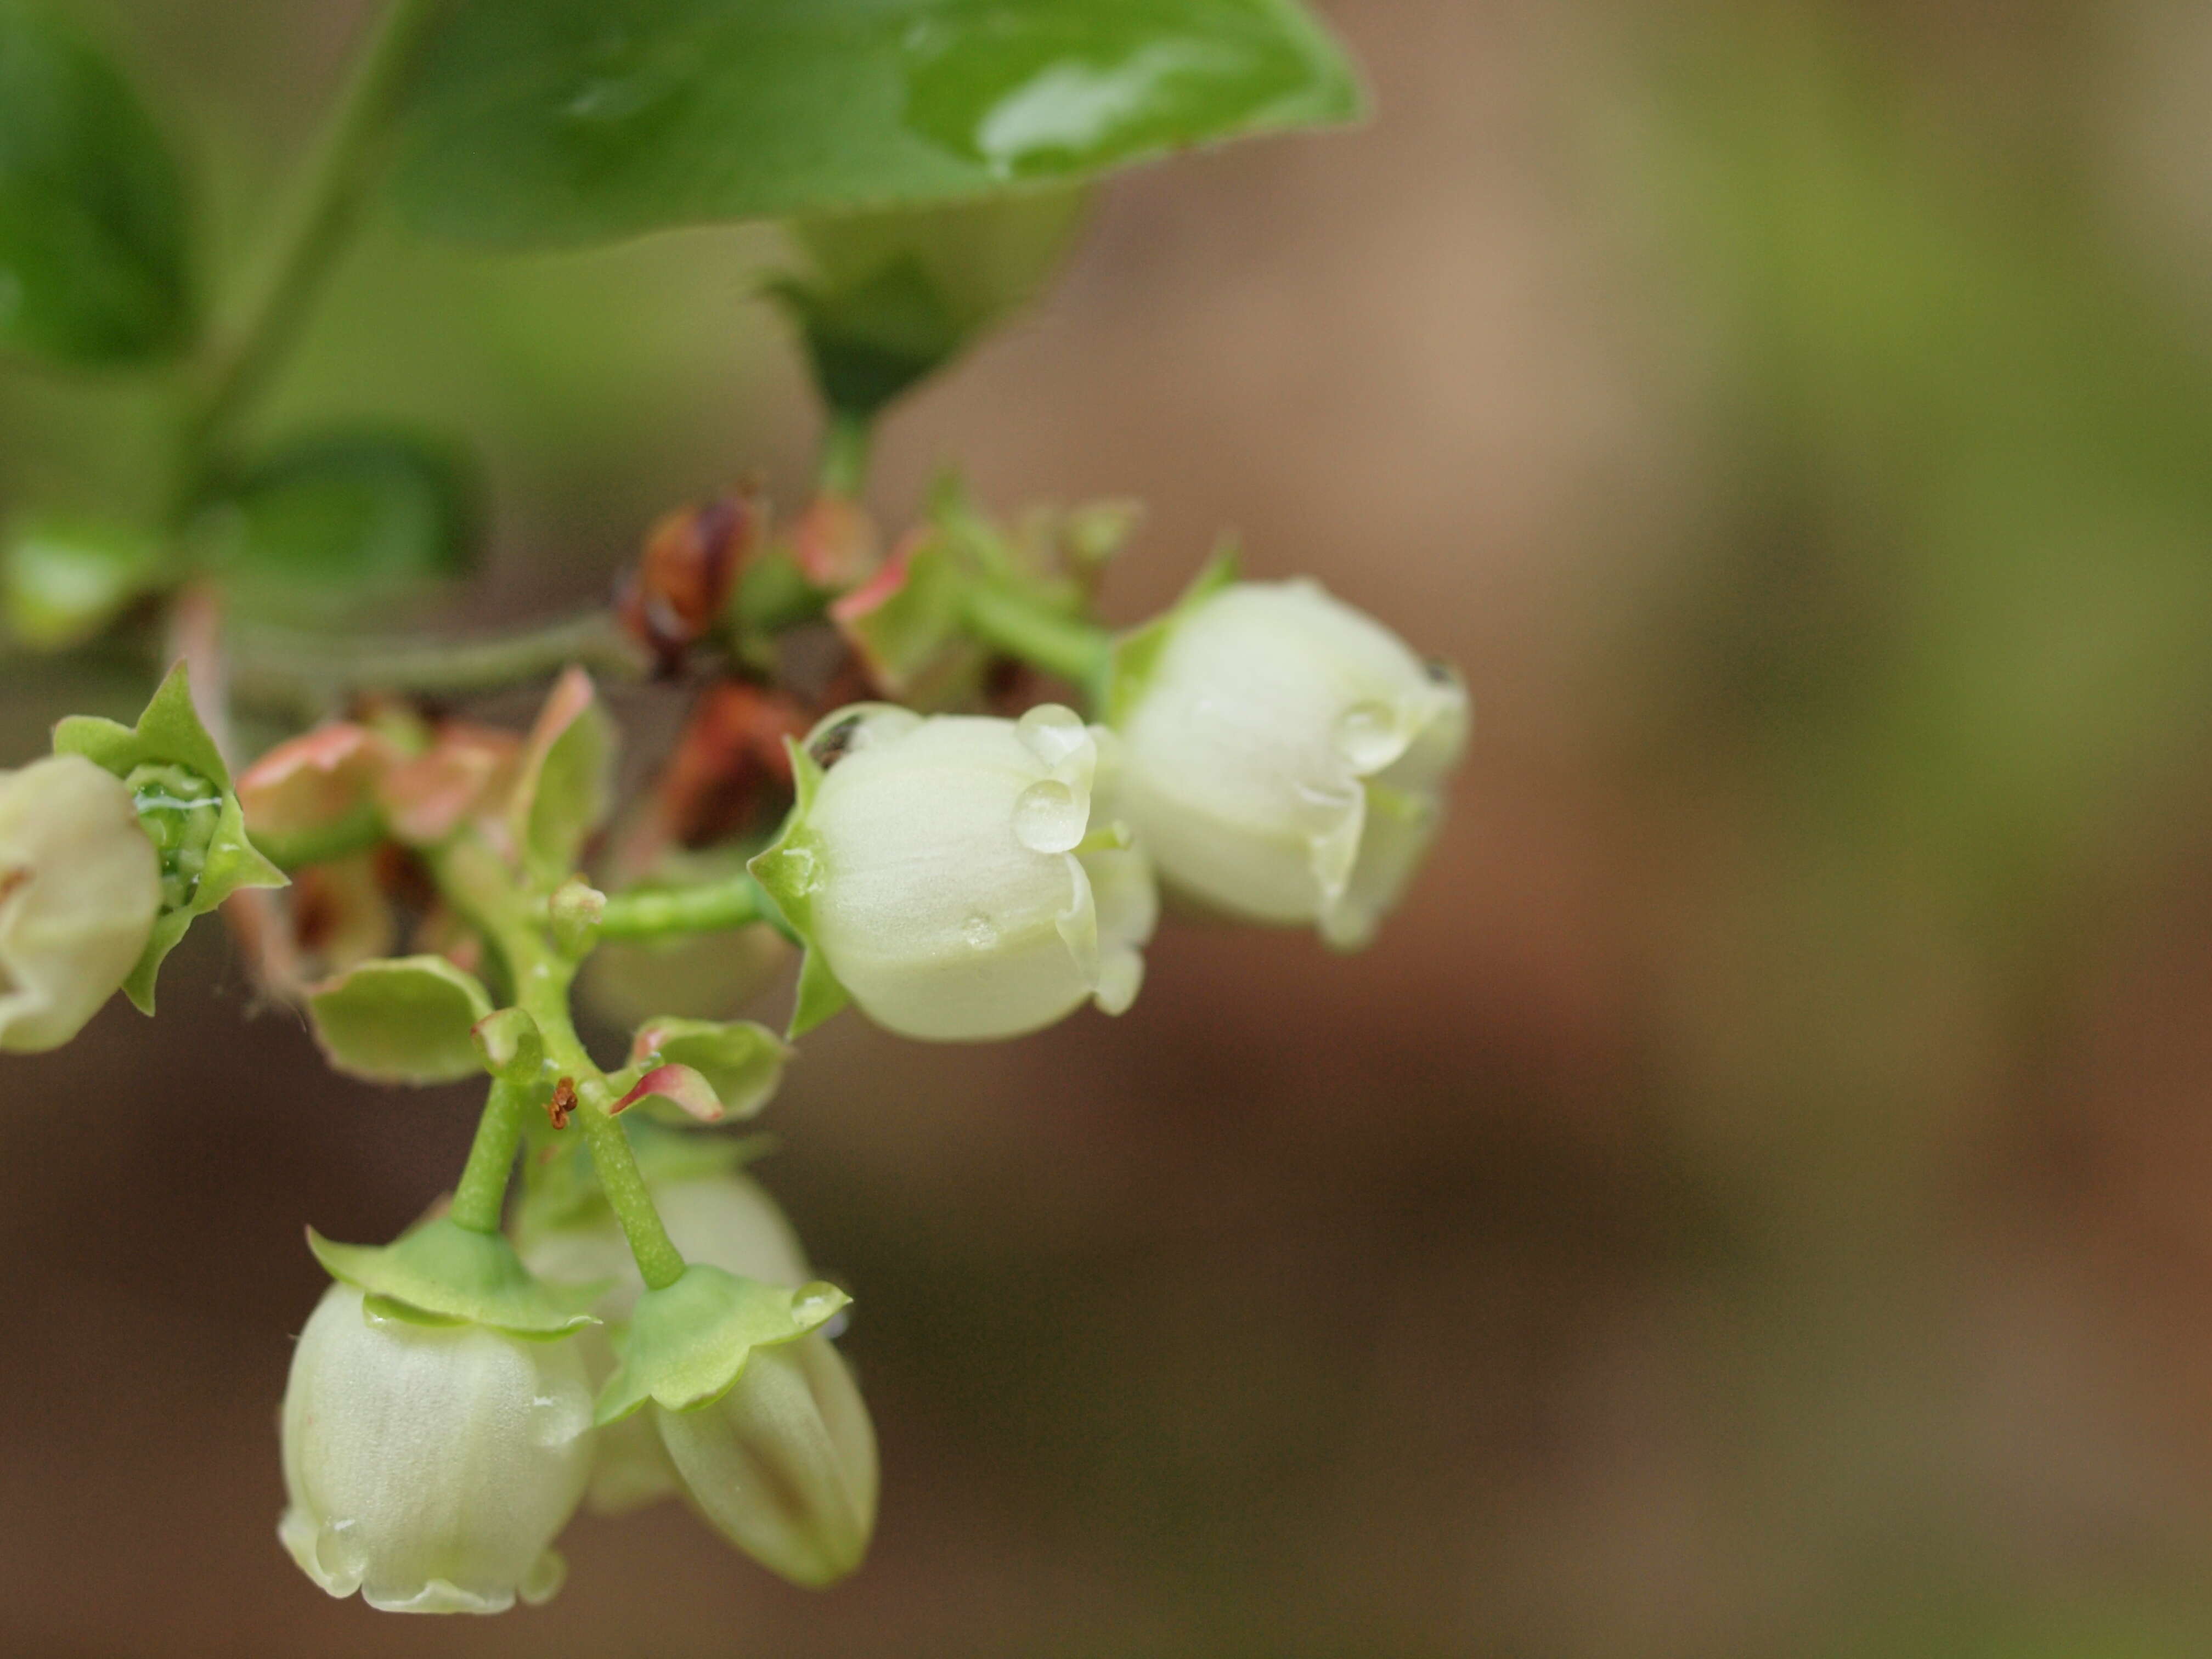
(554, 1419)
(979, 933)
(813, 1305)
(1048, 818)
(1052, 733)
(1369, 735)
(342, 1552)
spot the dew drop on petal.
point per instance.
(1052, 732)
(556, 1419)
(1368, 736)
(1048, 818)
(811, 1306)
(342, 1552)
(979, 933)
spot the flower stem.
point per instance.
(481, 1190)
(310, 670)
(329, 207)
(499, 902)
(711, 906)
(843, 469)
(1076, 651)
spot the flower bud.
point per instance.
(1282, 755)
(726, 1220)
(945, 873)
(430, 1467)
(80, 887)
(784, 1464)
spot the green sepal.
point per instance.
(909, 624)
(169, 733)
(689, 1341)
(402, 1019)
(444, 1274)
(788, 870)
(742, 1062)
(566, 780)
(1136, 653)
(510, 1045)
(562, 1186)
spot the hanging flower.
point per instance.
(80, 888)
(949, 875)
(430, 1467)
(1283, 755)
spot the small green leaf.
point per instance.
(568, 121)
(63, 580)
(894, 297)
(563, 788)
(788, 870)
(402, 1019)
(444, 1274)
(333, 521)
(742, 1062)
(189, 810)
(93, 261)
(689, 1341)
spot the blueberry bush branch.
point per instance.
(918, 774)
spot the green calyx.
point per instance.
(1136, 654)
(790, 872)
(689, 1340)
(188, 808)
(444, 1274)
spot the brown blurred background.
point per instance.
(1756, 1198)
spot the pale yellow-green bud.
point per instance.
(1283, 755)
(430, 1467)
(784, 1464)
(726, 1221)
(80, 887)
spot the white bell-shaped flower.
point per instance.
(949, 875)
(784, 1464)
(1282, 755)
(725, 1219)
(80, 887)
(430, 1467)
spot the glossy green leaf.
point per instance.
(402, 1019)
(566, 121)
(332, 520)
(893, 296)
(93, 261)
(189, 810)
(63, 581)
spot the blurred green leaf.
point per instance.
(62, 580)
(895, 295)
(570, 121)
(93, 261)
(335, 520)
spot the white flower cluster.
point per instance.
(1268, 752)
(430, 1467)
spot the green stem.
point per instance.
(844, 466)
(296, 668)
(660, 1263)
(1076, 651)
(482, 1192)
(711, 906)
(329, 208)
(483, 885)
